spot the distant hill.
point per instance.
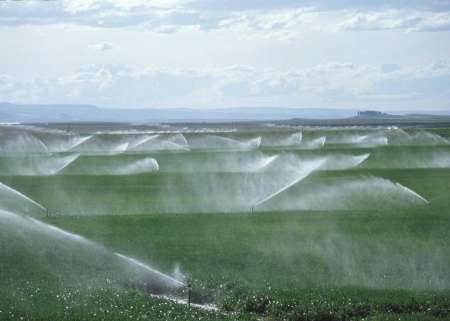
(373, 113)
(63, 113)
(88, 113)
(382, 119)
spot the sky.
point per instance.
(385, 54)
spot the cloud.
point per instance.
(328, 85)
(79, 6)
(279, 24)
(103, 13)
(281, 18)
(396, 19)
(102, 46)
(224, 52)
(321, 5)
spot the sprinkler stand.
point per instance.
(189, 288)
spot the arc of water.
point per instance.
(181, 137)
(295, 139)
(410, 191)
(148, 268)
(120, 148)
(23, 196)
(317, 142)
(40, 142)
(140, 166)
(82, 239)
(228, 142)
(359, 159)
(143, 140)
(362, 138)
(69, 160)
(267, 162)
(62, 232)
(253, 143)
(80, 141)
(316, 166)
(175, 146)
(128, 259)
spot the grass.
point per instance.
(373, 261)
(265, 264)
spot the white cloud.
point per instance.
(76, 6)
(278, 52)
(102, 46)
(283, 20)
(80, 6)
(329, 85)
(279, 24)
(427, 71)
(106, 13)
(397, 19)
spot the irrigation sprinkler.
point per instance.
(189, 288)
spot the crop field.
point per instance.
(251, 222)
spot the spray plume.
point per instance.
(20, 195)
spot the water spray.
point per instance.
(315, 166)
(20, 195)
(410, 191)
(79, 142)
(145, 267)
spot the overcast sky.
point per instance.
(227, 53)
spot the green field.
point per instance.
(353, 226)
